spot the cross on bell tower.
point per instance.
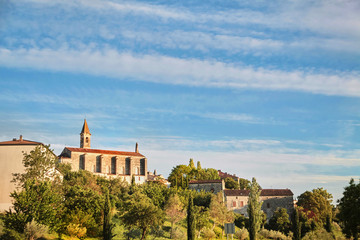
(85, 136)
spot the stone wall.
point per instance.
(213, 186)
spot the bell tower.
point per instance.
(85, 136)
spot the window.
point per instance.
(98, 164)
(87, 139)
(127, 166)
(113, 165)
(268, 205)
(142, 166)
(82, 162)
(234, 203)
(241, 203)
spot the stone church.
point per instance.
(105, 163)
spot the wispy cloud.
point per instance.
(171, 70)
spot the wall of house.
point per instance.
(11, 157)
(208, 187)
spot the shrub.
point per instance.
(273, 235)
(177, 233)
(320, 234)
(208, 234)
(132, 233)
(10, 234)
(34, 230)
(218, 231)
(242, 234)
(75, 230)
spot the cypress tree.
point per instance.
(107, 224)
(296, 225)
(191, 219)
(328, 225)
(254, 209)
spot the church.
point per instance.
(105, 163)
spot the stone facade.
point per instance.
(11, 156)
(213, 186)
(106, 163)
(237, 200)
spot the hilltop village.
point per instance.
(87, 178)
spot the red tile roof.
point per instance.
(20, 142)
(226, 175)
(100, 151)
(205, 181)
(264, 192)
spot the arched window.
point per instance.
(87, 139)
(98, 164)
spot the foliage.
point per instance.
(317, 201)
(231, 183)
(107, 222)
(319, 234)
(241, 221)
(177, 174)
(39, 165)
(191, 219)
(76, 230)
(271, 234)
(208, 234)
(33, 230)
(36, 201)
(242, 234)
(11, 234)
(191, 163)
(254, 209)
(202, 217)
(296, 226)
(141, 213)
(177, 233)
(174, 210)
(198, 167)
(202, 198)
(280, 221)
(349, 210)
(158, 193)
(245, 184)
(218, 211)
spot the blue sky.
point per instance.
(258, 89)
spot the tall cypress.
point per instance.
(254, 209)
(191, 219)
(107, 224)
(296, 225)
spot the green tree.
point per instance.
(191, 225)
(108, 226)
(177, 174)
(39, 165)
(218, 211)
(349, 210)
(191, 164)
(317, 201)
(158, 193)
(202, 217)
(245, 184)
(36, 201)
(254, 209)
(140, 212)
(280, 221)
(174, 210)
(231, 183)
(198, 165)
(296, 225)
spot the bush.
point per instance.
(241, 221)
(242, 234)
(10, 234)
(273, 235)
(177, 233)
(75, 230)
(320, 234)
(208, 234)
(132, 233)
(34, 230)
(218, 231)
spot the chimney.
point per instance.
(155, 172)
(136, 147)
(21, 138)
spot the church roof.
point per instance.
(20, 141)
(100, 151)
(264, 192)
(85, 128)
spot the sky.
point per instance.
(264, 89)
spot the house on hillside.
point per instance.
(213, 186)
(237, 200)
(105, 163)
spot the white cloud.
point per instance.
(171, 70)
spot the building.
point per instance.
(237, 200)
(11, 156)
(213, 186)
(105, 163)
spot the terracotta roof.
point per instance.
(264, 192)
(20, 142)
(85, 128)
(226, 175)
(111, 152)
(205, 181)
